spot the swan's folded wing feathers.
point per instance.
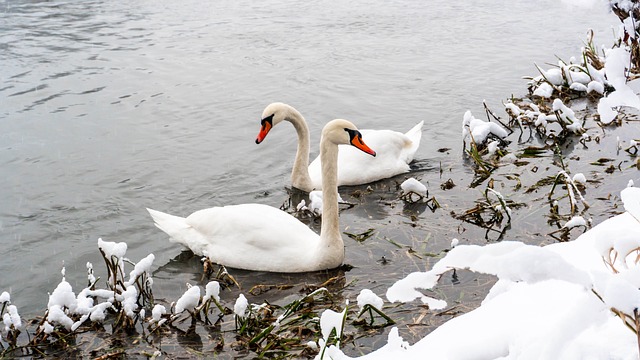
(225, 233)
(415, 135)
(394, 150)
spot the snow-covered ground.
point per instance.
(561, 301)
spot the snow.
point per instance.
(368, 297)
(212, 291)
(515, 110)
(541, 120)
(567, 115)
(11, 318)
(579, 78)
(628, 27)
(63, 296)
(330, 320)
(587, 79)
(413, 185)
(98, 312)
(631, 200)
(47, 327)
(579, 178)
(621, 295)
(578, 87)
(575, 222)
(142, 266)
(544, 90)
(90, 276)
(454, 242)
(550, 302)
(157, 312)
(189, 300)
(315, 202)
(405, 289)
(240, 307)
(596, 86)
(112, 248)
(130, 300)
(57, 315)
(84, 302)
(616, 64)
(492, 147)
(5, 297)
(554, 76)
(480, 130)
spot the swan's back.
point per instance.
(394, 151)
(247, 236)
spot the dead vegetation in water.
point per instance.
(140, 321)
(539, 133)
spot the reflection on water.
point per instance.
(108, 107)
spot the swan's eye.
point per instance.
(268, 119)
(353, 134)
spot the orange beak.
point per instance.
(357, 142)
(264, 130)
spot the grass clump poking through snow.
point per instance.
(370, 303)
(414, 192)
(485, 138)
(11, 322)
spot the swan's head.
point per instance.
(272, 115)
(343, 132)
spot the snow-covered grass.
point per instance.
(478, 131)
(413, 190)
(314, 208)
(599, 75)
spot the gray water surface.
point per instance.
(108, 107)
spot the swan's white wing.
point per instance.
(247, 236)
(394, 152)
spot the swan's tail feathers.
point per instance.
(415, 134)
(175, 226)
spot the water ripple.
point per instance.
(33, 89)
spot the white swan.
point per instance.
(263, 238)
(395, 151)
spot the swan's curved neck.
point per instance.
(330, 230)
(300, 174)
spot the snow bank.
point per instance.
(544, 304)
